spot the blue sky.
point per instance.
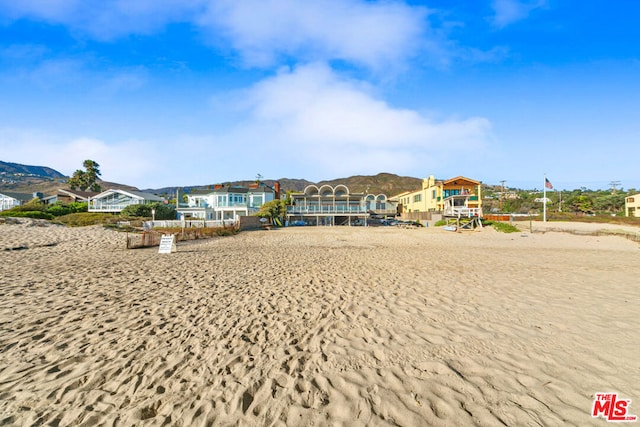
(195, 92)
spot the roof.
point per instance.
(81, 194)
(18, 196)
(200, 192)
(461, 178)
(226, 190)
(146, 196)
(139, 194)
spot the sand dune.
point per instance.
(316, 326)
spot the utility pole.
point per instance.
(501, 194)
(614, 186)
(560, 201)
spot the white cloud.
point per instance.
(306, 122)
(510, 11)
(365, 33)
(105, 19)
(50, 10)
(125, 162)
(327, 123)
(76, 73)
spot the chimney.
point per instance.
(276, 187)
(254, 185)
(217, 186)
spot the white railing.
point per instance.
(107, 207)
(462, 211)
(148, 225)
(328, 210)
(384, 211)
(219, 205)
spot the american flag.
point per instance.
(547, 184)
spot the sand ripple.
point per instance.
(305, 326)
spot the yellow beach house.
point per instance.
(457, 196)
(632, 205)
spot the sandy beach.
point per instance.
(335, 326)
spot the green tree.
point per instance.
(581, 203)
(144, 210)
(288, 200)
(86, 180)
(164, 211)
(272, 210)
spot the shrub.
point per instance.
(78, 206)
(199, 232)
(136, 210)
(440, 223)
(82, 219)
(162, 211)
(505, 228)
(31, 206)
(26, 214)
(59, 209)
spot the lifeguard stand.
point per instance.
(457, 212)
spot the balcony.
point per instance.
(108, 207)
(326, 210)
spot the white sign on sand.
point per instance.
(167, 244)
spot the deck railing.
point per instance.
(461, 211)
(325, 210)
(107, 207)
(195, 223)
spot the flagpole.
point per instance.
(544, 199)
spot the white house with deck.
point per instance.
(459, 196)
(11, 200)
(115, 200)
(327, 205)
(225, 203)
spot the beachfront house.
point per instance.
(65, 195)
(226, 203)
(457, 196)
(115, 200)
(632, 205)
(10, 200)
(327, 205)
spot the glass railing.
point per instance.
(107, 207)
(326, 210)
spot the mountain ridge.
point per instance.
(7, 168)
(20, 178)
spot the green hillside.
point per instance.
(382, 183)
(8, 170)
(29, 179)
